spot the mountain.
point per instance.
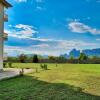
(75, 53)
(89, 52)
(92, 52)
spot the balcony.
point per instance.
(5, 36)
(5, 17)
(5, 56)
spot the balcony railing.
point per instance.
(6, 17)
(5, 36)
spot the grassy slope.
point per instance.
(58, 83)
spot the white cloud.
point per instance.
(74, 44)
(7, 31)
(79, 27)
(22, 31)
(49, 46)
(39, 8)
(21, 0)
(26, 30)
(25, 43)
(98, 39)
(38, 1)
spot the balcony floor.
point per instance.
(12, 72)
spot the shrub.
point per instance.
(4, 64)
(21, 72)
(42, 67)
(10, 64)
(45, 67)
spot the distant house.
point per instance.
(3, 17)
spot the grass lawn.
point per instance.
(64, 82)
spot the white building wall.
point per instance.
(1, 34)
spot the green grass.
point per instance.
(65, 82)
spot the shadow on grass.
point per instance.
(30, 88)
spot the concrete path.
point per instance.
(12, 72)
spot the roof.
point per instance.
(5, 3)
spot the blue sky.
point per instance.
(52, 27)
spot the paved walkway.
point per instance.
(12, 72)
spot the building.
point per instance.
(3, 17)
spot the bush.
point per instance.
(45, 67)
(4, 64)
(42, 67)
(10, 64)
(21, 72)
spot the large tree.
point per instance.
(82, 57)
(35, 59)
(22, 58)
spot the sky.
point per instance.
(52, 27)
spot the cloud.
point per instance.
(22, 31)
(79, 27)
(77, 19)
(98, 39)
(21, 0)
(26, 30)
(45, 46)
(39, 8)
(40, 5)
(21, 39)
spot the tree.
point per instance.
(52, 58)
(22, 58)
(13, 59)
(71, 57)
(61, 59)
(35, 59)
(82, 57)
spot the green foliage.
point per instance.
(7, 64)
(71, 57)
(10, 64)
(44, 66)
(22, 58)
(13, 59)
(61, 59)
(82, 58)
(4, 64)
(52, 58)
(35, 59)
